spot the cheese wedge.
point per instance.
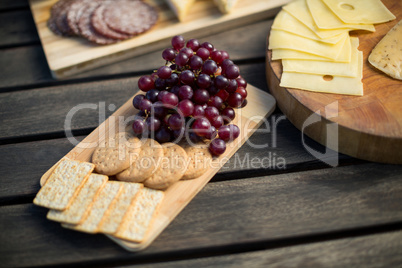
(387, 54)
(326, 83)
(358, 11)
(225, 6)
(180, 7)
(349, 69)
(324, 18)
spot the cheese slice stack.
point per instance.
(311, 37)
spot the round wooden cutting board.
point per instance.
(369, 126)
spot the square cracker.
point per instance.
(63, 184)
(82, 203)
(115, 213)
(139, 215)
(101, 203)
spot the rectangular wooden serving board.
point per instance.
(260, 105)
(71, 55)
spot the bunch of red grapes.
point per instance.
(193, 95)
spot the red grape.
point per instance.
(228, 114)
(209, 67)
(204, 80)
(168, 54)
(201, 96)
(187, 77)
(176, 121)
(201, 126)
(232, 86)
(221, 82)
(194, 44)
(178, 42)
(181, 59)
(203, 53)
(208, 46)
(136, 101)
(164, 72)
(232, 71)
(138, 126)
(170, 99)
(186, 107)
(215, 101)
(196, 62)
(185, 92)
(234, 100)
(217, 147)
(198, 111)
(146, 83)
(242, 91)
(223, 94)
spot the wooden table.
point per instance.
(304, 213)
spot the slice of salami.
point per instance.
(54, 15)
(74, 14)
(61, 18)
(101, 27)
(130, 17)
(86, 28)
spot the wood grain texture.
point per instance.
(222, 217)
(67, 56)
(370, 127)
(378, 250)
(16, 28)
(22, 164)
(45, 109)
(27, 65)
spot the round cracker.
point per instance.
(199, 162)
(113, 155)
(143, 163)
(171, 168)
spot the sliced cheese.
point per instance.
(225, 6)
(359, 11)
(324, 18)
(286, 22)
(180, 7)
(284, 40)
(278, 54)
(332, 68)
(387, 54)
(300, 11)
(327, 83)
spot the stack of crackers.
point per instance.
(118, 193)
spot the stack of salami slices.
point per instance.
(102, 21)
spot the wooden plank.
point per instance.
(16, 28)
(27, 66)
(377, 250)
(23, 164)
(370, 125)
(13, 4)
(258, 210)
(52, 104)
(203, 19)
